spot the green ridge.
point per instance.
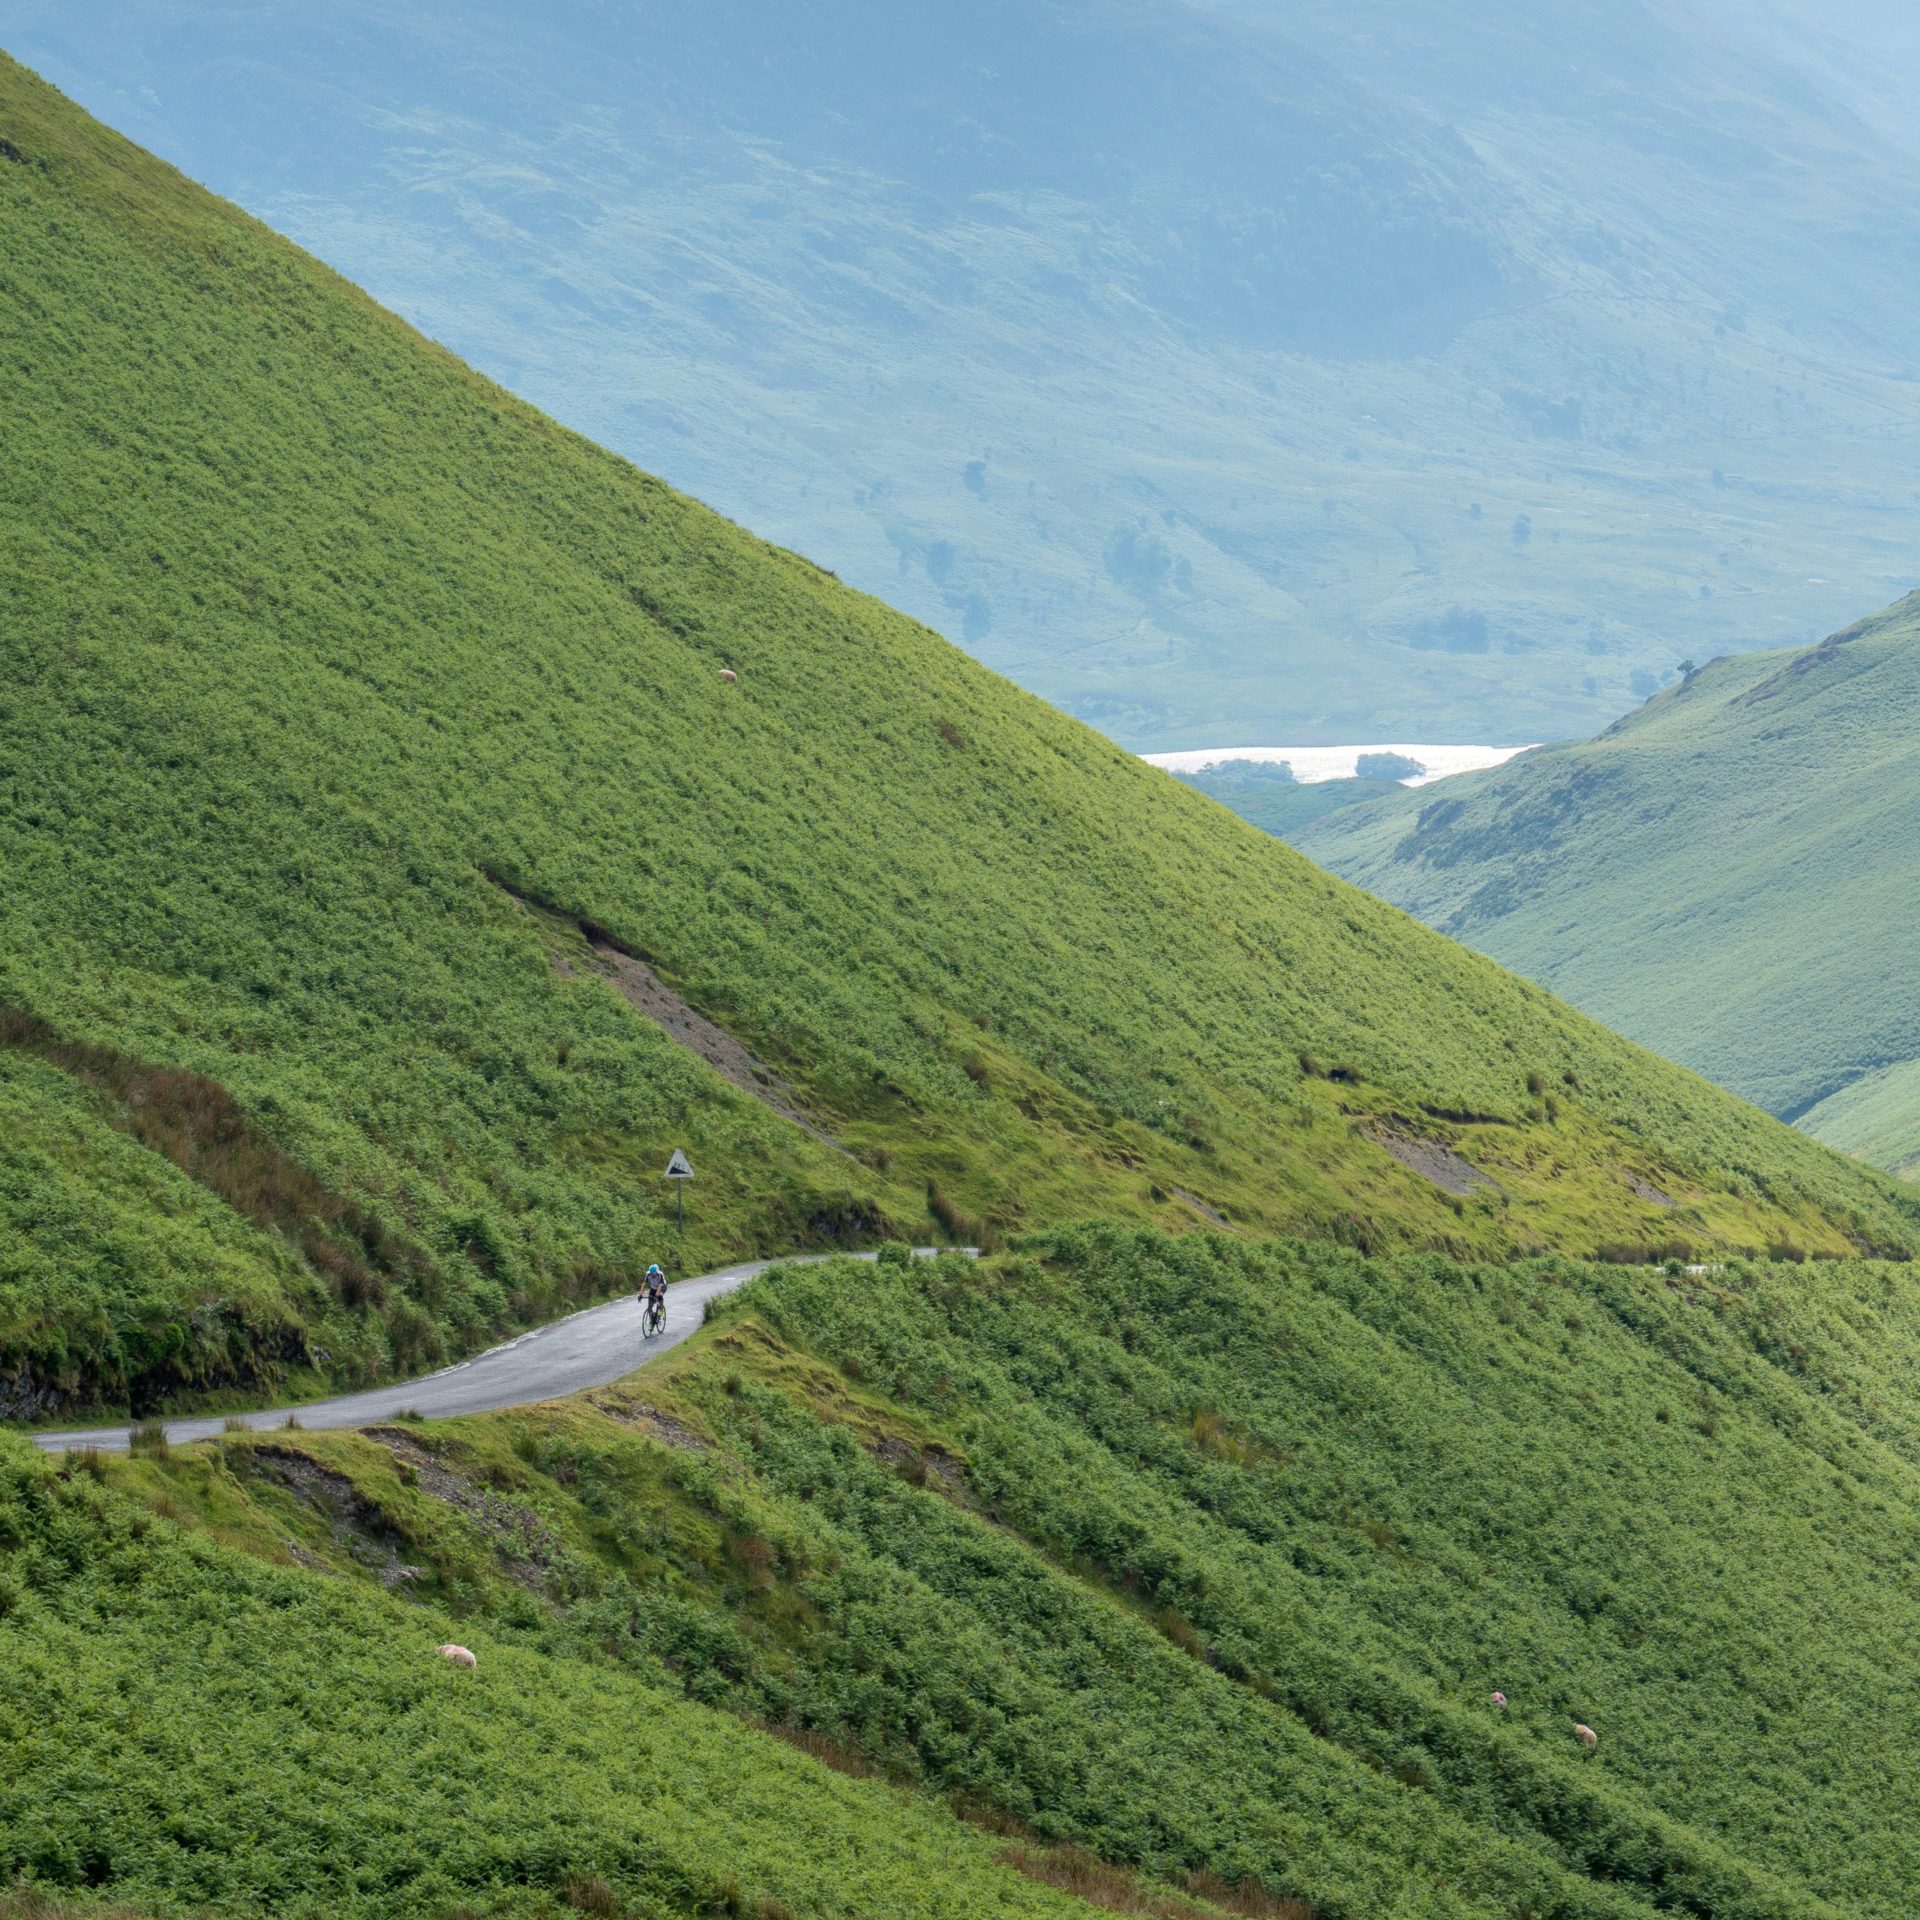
(319, 645)
(1727, 875)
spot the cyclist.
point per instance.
(655, 1296)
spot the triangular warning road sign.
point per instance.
(679, 1167)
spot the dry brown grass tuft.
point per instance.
(1212, 1433)
(587, 1893)
(1119, 1890)
(822, 1747)
(961, 1228)
(198, 1125)
(754, 1557)
(1246, 1897)
(22, 1902)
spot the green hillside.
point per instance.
(367, 769)
(1727, 875)
(283, 1743)
(1189, 1557)
(389, 879)
(1876, 1116)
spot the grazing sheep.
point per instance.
(460, 1656)
(728, 676)
(1586, 1736)
(1499, 1699)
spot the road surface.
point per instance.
(566, 1356)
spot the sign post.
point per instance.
(679, 1171)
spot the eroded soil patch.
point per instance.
(655, 1425)
(648, 994)
(525, 1546)
(928, 1466)
(1433, 1161)
(354, 1521)
(1201, 1207)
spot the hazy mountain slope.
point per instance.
(1205, 1557)
(318, 646)
(1729, 875)
(1864, 52)
(1214, 377)
(1876, 1116)
(1283, 806)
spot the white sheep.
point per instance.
(460, 1656)
(1586, 1736)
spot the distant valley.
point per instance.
(1408, 765)
(1481, 362)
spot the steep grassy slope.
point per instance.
(365, 739)
(1727, 875)
(281, 1743)
(1202, 1556)
(1481, 359)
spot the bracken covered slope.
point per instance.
(1729, 875)
(1201, 1557)
(366, 743)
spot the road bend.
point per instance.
(586, 1349)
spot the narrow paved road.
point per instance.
(565, 1356)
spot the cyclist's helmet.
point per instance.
(654, 1273)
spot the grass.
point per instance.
(1876, 1116)
(320, 644)
(1722, 875)
(954, 1534)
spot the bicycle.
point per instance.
(654, 1321)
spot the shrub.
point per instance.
(589, 1894)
